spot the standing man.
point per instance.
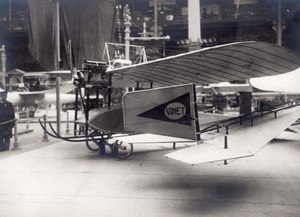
(7, 121)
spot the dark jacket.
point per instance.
(6, 114)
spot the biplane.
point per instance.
(164, 102)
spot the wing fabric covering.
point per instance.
(243, 141)
(229, 62)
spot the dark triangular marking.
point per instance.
(160, 112)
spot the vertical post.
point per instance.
(279, 23)
(226, 143)
(72, 69)
(3, 63)
(194, 24)
(68, 124)
(87, 103)
(16, 145)
(9, 15)
(97, 97)
(45, 136)
(197, 124)
(155, 19)
(76, 111)
(27, 119)
(109, 90)
(225, 147)
(58, 104)
(127, 24)
(119, 7)
(57, 59)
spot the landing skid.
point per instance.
(96, 141)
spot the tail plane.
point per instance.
(168, 111)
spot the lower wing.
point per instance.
(242, 141)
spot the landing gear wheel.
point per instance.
(122, 150)
(95, 144)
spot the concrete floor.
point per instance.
(66, 179)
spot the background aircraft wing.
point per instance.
(32, 93)
(230, 62)
(288, 82)
(26, 98)
(38, 97)
(243, 141)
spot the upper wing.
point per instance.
(244, 141)
(230, 62)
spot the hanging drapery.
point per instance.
(88, 24)
(41, 41)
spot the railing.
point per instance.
(247, 117)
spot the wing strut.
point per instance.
(196, 119)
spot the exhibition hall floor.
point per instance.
(66, 179)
